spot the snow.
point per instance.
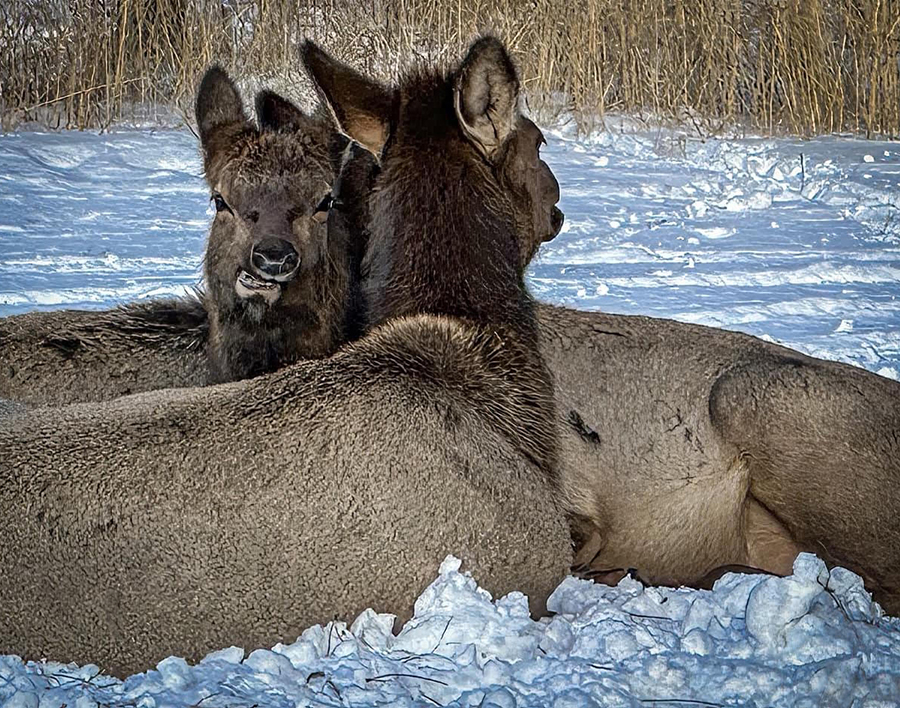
(811, 639)
(785, 239)
(794, 241)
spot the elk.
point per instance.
(683, 449)
(183, 520)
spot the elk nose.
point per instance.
(275, 259)
(557, 218)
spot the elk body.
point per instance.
(184, 520)
(682, 448)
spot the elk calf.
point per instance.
(278, 282)
(280, 286)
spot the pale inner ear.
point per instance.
(467, 129)
(368, 131)
(489, 128)
(360, 106)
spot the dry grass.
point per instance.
(800, 66)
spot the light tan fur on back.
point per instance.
(696, 448)
(192, 519)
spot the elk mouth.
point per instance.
(247, 286)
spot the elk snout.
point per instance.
(556, 222)
(275, 259)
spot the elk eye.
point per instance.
(326, 203)
(221, 204)
(321, 212)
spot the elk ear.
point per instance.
(361, 107)
(486, 95)
(273, 112)
(218, 103)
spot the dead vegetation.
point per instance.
(799, 66)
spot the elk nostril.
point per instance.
(274, 257)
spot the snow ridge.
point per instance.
(812, 639)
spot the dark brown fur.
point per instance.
(69, 356)
(444, 237)
(267, 184)
(285, 169)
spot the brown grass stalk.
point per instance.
(798, 66)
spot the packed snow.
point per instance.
(809, 640)
(795, 241)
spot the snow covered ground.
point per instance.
(811, 640)
(794, 240)
(798, 241)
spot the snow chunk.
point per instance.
(845, 326)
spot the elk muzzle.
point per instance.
(274, 259)
(273, 262)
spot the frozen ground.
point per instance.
(743, 234)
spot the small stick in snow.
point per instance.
(689, 701)
(802, 172)
(446, 627)
(385, 677)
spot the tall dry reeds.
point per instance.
(801, 66)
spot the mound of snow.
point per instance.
(812, 639)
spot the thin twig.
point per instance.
(77, 93)
(385, 677)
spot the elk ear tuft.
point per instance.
(486, 95)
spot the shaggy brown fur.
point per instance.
(671, 471)
(69, 356)
(268, 186)
(181, 521)
(663, 485)
(185, 520)
(458, 164)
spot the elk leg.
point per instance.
(822, 443)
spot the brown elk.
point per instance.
(183, 520)
(278, 283)
(452, 235)
(254, 315)
(685, 449)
